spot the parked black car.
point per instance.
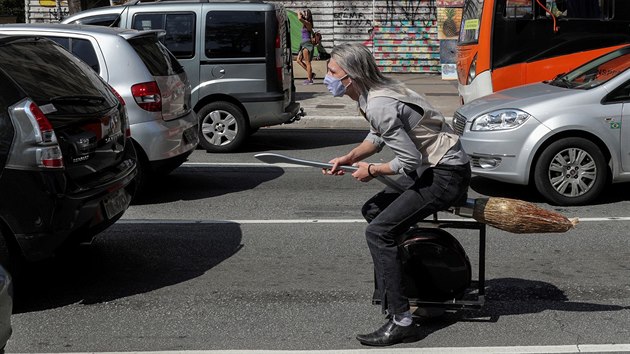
(66, 162)
(6, 307)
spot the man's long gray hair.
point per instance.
(358, 62)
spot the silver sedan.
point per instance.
(569, 136)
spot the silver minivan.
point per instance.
(237, 55)
(153, 85)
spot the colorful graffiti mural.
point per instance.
(404, 35)
(448, 20)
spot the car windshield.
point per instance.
(596, 72)
(471, 18)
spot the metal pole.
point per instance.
(372, 23)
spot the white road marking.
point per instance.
(304, 221)
(576, 348)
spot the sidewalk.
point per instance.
(325, 111)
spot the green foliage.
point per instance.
(12, 8)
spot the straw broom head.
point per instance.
(520, 217)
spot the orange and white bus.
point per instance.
(506, 43)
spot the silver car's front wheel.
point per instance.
(571, 171)
(222, 127)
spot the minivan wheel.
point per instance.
(571, 171)
(222, 127)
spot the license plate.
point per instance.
(116, 203)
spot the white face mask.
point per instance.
(335, 86)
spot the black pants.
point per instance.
(391, 213)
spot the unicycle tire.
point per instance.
(435, 265)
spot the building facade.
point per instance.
(405, 36)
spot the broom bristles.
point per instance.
(520, 217)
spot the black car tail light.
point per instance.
(127, 128)
(49, 155)
(43, 126)
(118, 96)
(35, 145)
(147, 96)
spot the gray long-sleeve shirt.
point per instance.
(390, 122)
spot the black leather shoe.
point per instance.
(389, 334)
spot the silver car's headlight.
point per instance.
(500, 120)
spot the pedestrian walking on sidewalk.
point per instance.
(307, 46)
(429, 158)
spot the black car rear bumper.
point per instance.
(44, 210)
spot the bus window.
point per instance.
(579, 8)
(516, 9)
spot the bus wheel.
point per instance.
(571, 171)
(222, 127)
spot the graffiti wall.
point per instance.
(405, 36)
(45, 10)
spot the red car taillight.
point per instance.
(44, 128)
(147, 96)
(48, 156)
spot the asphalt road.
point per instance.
(229, 254)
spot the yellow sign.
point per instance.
(51, 3)
(472, 24)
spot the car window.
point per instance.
(63, 41)
(597, 71)
(45, 71)
(179, 27)
(235, 34)
(621, 94)
(155, 56)
(148, 21)
(82, 48)
(110, 20)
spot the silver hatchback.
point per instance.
(147, 76)
(569, 136)
(237, 55)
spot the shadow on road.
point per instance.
(514, 296)
(493, 188)
(300, 96)
(613, 193)
(299, 139)
(116, 265)
(193, 183)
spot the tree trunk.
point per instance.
(74, 6)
